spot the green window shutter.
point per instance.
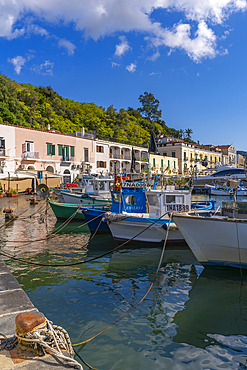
(174, 164)
(161, 162)
(60, 150)
(168, 163)
(72, 151)
(48, 149)
(67, 151)
(53, 149)
(153, 162)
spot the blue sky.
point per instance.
(191, 54)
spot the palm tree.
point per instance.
(188, 132)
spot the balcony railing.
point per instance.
(66, 158)
(31, 155)
(116, 156)
(4, 152)
(144, 159)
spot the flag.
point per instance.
(133, 159)
(152, 144)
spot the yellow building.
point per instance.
(159, 164)
(191, 156)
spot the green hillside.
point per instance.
(31, 106)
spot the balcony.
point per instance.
(31, 155)
(144, 159)
(115, 156)
(186, 158)
(66, 158)
(4, 152)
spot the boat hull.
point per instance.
(63, 211)
(81, 199)
(94, 221)
(215, 240)
(130, 228)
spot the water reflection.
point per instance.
(217, 305)
(192, 318)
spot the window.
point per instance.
(99, 149)
(60, 150)
(152, 200)
(174, 164)
(206, 157)
(72, 151)
(191, 155)
(86, 155)
(201, 157)
(29, 146)
(116, 197)
(165, 154)
(101, 164)
(162, 164)
(196, 157)
(50, 149)
(130, 199)
(184, 155)
(2, 143)
(170, 198)
(153, 162)
(168, 163)
(211, 159)
(185, 165)
(173, 154)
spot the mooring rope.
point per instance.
(137, 304)
(81, 262)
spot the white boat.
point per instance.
(224, 190)
(214, 239)
(96, 189)
(220, 175)
(126, 226)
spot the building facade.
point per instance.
(191, 156)
(160, 164)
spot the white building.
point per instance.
(111, 154)
(7, 149)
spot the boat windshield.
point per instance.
(228, 172)
(152, 200)
(130, 199)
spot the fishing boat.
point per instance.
(63, 211)
(151, 226)
(129, 215)
(131, 198)
(96, 189)
(217, 239)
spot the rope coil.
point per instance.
(52, 339)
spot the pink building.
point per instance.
(49, 150)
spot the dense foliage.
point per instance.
(31, 106)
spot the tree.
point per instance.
(150, 106)
(188, 132)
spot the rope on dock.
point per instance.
(51, 338)
(137, 304)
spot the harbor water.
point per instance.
(193, 318)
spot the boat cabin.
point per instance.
(98, 186)
(130, 199)
(161, 202)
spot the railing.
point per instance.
(31, 155)
(116, 156)
(144, 159)
(66, 158)
(4, 152)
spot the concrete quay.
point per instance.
(13, 300)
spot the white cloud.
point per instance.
(113, 64)
(131, 67)
(123, 47)
(67, 45)
(45, 68)
(100, 18)
(18, 62)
